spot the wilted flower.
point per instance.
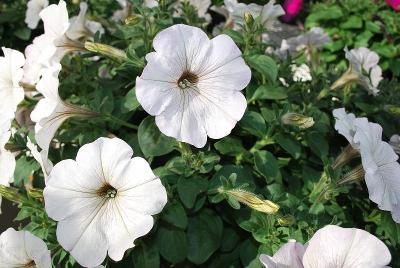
(382, 171)
(301, 73)
(296, 119)
(363, 69)
(32, 12)
(50, 112)
(102, 201)
(332, 246)
(23, 249)
(395, 143)
(292, 9)
(11, 93)
(192, 84)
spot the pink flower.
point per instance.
(292, 8)
(395, 4)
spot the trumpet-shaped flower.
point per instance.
(364, 70)
(289, 255)
(11, 93)
(32, 12)
(23, 249)
(51, 111)
(332, 247)
(102, 201)
(192, 84)
(382, 171)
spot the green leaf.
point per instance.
(267, 92)
(146, 255)
(130, 103)
(229, 146)
(204, 236)
(190, 188)
(244, 175)
(254, 123)
(152, 142)
(265, 65)
(23, 33)
(289, 144)
(318, 143)
(23, 169)
(172, 244)
(266, 164)
(353, 22)
(175, 214)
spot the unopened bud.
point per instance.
(253, 201)
(248, 18)
(12, 194)
(286, 220)
(132, 20)
(106, 50)
(35, 193)
(296, 119)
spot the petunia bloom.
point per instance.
(192, 84)
(23, 249)
(332, 246)
(363, 69)
(11, 93)
(345, 125)
(103, 201)
(382, 171)
(32, 12)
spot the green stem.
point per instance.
(184, 148)
(113, 119)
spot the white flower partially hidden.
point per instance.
(11, 93)
(395, 143)
(332, 247)
(382, 171)
(32, 12)
(192, 84)
(23, 249)
(289, 255)
(51, 111)
(345, 125)
(301, 73)
(315, 38)
(363, 69)
(102, 201)
(41, 158)
(7, 159)
(82, 28)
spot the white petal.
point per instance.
(32, 12)
(7, 167)
(345, 125)
(333, 246)
(41, 158)
(289, 255)
(55, 19)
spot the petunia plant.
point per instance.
(196, 134)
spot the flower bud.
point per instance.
(296, 119)
(392, 109)
(106, 50)
(248, 18)
(11, 194)
(253, 201)
(286, 220)
(347, 78)
(35, 193)
(132, 20)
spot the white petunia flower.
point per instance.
(269, 15)
(301, 73)
(32, 12)
(11, 93)
(192, 84)
(334, 246)
(22, 249)
(51, 111)
(103, 201)
(382, 171)
(289, 255)
(363, 69)
(80, 27)
(395, 143)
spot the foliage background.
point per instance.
(279, 162)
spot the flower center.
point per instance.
(187, 80)
(107, 191)
(30, 264)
